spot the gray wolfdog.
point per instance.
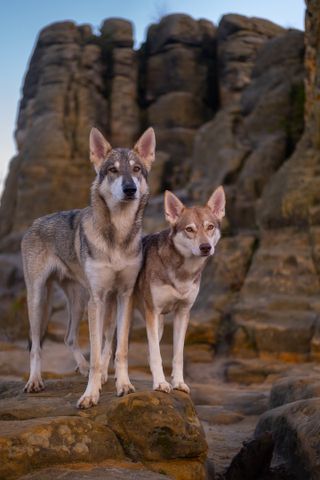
(169, 278)
(95, 250)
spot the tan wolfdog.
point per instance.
(169, 279)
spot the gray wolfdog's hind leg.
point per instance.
(109, 329)
(124, 313)
(76, 301)
(46, 309)
(38, 310)
(160, 326)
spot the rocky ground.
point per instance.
(45, 436)
(235, 104)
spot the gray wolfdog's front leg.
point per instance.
(96, 314)
(109, 329)
(123, 384)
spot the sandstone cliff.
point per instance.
(227, 106)
(234, 104)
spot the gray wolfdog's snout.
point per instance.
(129, 189)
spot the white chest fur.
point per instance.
(114, 272)
(167, 297)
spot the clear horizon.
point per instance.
(22, 21)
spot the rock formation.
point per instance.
(47, 430)
(235, 104)
(245, 77)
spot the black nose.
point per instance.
(129, 189)
(205, 248)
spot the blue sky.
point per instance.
(21, 21)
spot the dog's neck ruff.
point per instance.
(186, 266)
(120, 224)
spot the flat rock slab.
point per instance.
(47, 430)
(96, 473)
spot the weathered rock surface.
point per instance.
(77, 79)
(107, 472)
(294, 388)
(252, 136)
(220, 286)
(295, 430)
(239, 39)
(47, 429)
(227, 104)
(278, 307)
(13, 308)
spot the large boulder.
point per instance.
(37, 431)
(295, 431)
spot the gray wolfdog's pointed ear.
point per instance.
(146, 146)
(172, 207)
(217, 203)
(99, 148)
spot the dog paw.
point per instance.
(83, 369)
(183, 387)
(162, 387)
(88, 401)
(34, 385)
(124, 389)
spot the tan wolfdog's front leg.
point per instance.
(123, 384)
(159, 380)
(180, 325)
(96, 313)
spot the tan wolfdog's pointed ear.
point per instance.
(172, 207)
(217, 202)
(99, 148)
(146, 147)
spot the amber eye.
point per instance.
(210, 227)
(189, 229)
(113, 170)
(136, 168)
